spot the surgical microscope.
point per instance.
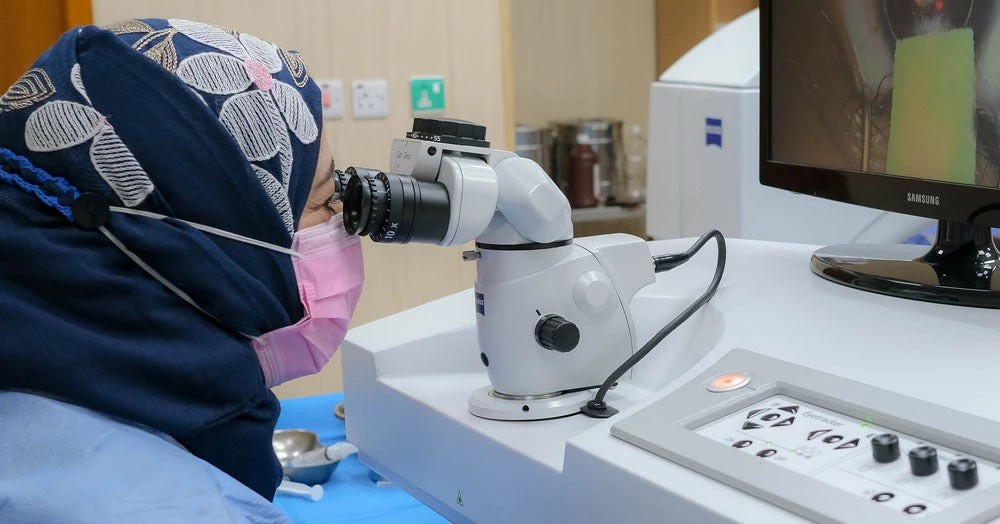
(553, 318)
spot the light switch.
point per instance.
(333, 98)
(370, 99)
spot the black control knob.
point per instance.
(449, 131)
(885, 448)
(556, 333)
(963, 473)
(923, 461)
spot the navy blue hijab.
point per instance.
(190, 121)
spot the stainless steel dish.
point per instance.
(290, 443)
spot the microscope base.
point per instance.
(486, 403)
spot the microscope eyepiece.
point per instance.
(340, 179)
(358, 201)
(392, 208)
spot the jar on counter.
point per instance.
(535, 143)
(585, 176)
(605, 138)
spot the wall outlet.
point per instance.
(333, 98)
(371, 99)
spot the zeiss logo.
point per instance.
(481, 304)
(917, 198)
(713, 132)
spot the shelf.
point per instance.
(604, 213)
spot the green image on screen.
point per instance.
(932, 131)
(909, 88)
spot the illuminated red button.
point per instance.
(728, 382)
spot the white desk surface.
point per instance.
(408, 378)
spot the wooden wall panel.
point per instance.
(680, 24)
(582, 58)
(29, 27)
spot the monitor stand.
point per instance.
(959, 269)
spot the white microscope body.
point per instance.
(552, 311)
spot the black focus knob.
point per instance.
(556, 333)
(885, 448)
(449, 131)
(963, 473)
(923, 461)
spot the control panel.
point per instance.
(824, 447)
(898, 472)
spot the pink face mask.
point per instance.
(329, 270)
(330, 274)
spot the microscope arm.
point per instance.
(496, 196)
(530, 207)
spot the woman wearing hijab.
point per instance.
(168, 255)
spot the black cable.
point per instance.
(577, 390)
(663, 263)
(597, 408)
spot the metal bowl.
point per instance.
(290, 443)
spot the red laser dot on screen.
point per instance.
(939, 5)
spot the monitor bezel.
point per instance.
(955, 202)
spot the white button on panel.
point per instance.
(592, 292)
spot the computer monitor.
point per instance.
(895, 105)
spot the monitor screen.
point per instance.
(894, 105)
(909, 88)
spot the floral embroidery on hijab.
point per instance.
(260, 118)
